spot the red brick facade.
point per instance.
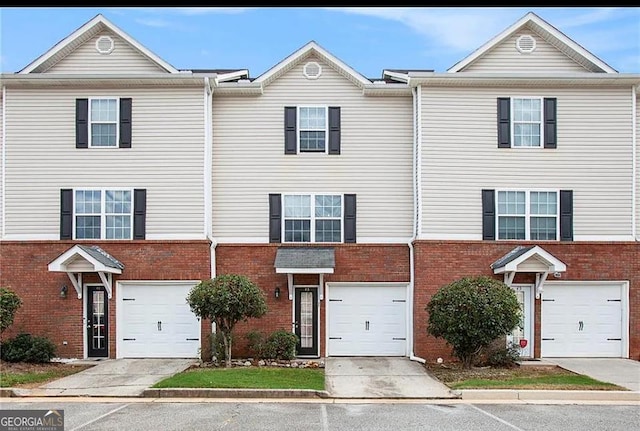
(354, 263)
(441, 262)
(24, 270)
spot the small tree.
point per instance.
(9, 304)
(472, 312)
(226, 300)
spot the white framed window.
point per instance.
(526, 119)
(103, 122)
(313, 124)
(312, 217)
(103, 213)
(527, 215)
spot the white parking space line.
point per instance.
(497, 418)
(100, 417)
(324, 417)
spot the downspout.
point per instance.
(208, 172)
(4, 159)
(417, 207)
(634, 169)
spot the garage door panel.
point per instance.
(156, 322)
(582, 321)
(367, 320)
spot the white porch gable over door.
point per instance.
(82, 258)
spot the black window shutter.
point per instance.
(66, 214)
(334, 130)
(566, 215)
(349, 218)
(275, 217)
(290, 130)
(488, 214)
(82, 123)
(139, 213)
(504, 122)
(550, 129)
(125, 123)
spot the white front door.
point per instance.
(523, 333)
(155, 321)
(583, 320)
(367, 319)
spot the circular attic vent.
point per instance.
(104, 45)
(312, 70)
(526, 44)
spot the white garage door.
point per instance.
(155, 321)
(367, 320)
(582, 320)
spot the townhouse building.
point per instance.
(349, 200)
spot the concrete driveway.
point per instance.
(381, 377)
(622, 372)
(113, 377)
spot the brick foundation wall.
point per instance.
(354, 263)
(441, 262)
(23, 269)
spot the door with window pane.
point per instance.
(306, 321)
(97, 322)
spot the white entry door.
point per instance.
(155, 321)
(582, 320)
(523, 333)
(367, 320)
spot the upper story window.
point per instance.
(527, 122)
(104, 122)
(103, 214)
(312, 218)
(312, 129)
(103, 117)
(527, 215)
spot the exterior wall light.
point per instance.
(63, 291)
(276, 293)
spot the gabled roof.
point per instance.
(311, 260)
(96, 256)
(311, 48)
(548, 32)
(520, 254)
(83, 34)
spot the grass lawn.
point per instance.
(249, 377)
(32, 375)
(523, 377)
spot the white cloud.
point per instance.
(457, 29)
(591, 17)
(190, 11)
(151, 22)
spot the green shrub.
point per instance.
(256, 343)
(506, 356)
(9, 304)
(471, 313)
(281, 344)
(27, 348)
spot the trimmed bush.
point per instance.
(28, 348)
(9, 304)
(471, 313)
(503, 356)
(280, 344)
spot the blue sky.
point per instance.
(366, 38)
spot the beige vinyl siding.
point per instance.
(505, 57)
(249, 160)
(638, 167)
(166, 158)
(460, 157)
(123, 59)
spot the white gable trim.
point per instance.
(554, 264)
(105, 23)
(286, 64)
(104, 272)
(535, 19)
